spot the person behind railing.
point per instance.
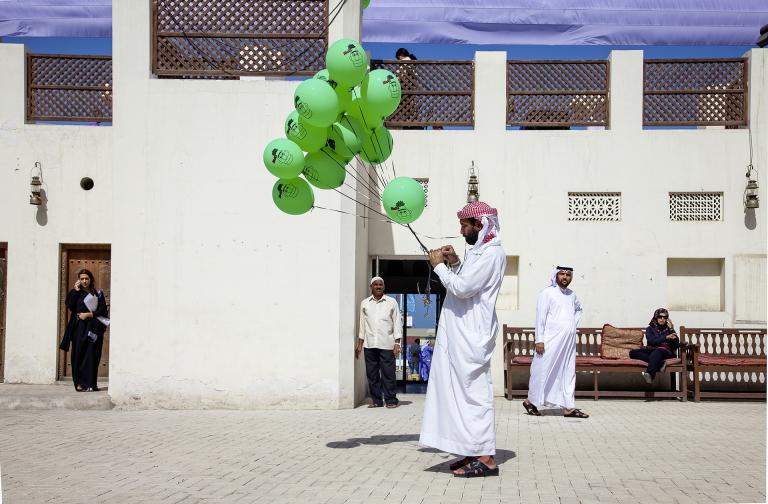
(662, 343)
(408, 77)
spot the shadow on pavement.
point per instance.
(374, 440)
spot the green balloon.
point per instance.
(347, 62)
(377, 146)
(309, 138)
(283, 158)
(365, 3)
(354, 132)
(360, 110)
(339, 140)
(293, 195)
(381, 91)
(403, 200)
(323, 170)
(343, 93)
(316, 102)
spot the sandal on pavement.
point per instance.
(576, 413)
(455, 466)
(374, 405)
(477, 469)
(531, 409)
(391, 406)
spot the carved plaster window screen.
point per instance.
(696, 206)
(425, 186)
(596, 207)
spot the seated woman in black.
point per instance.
(85, 331)
(662, 344)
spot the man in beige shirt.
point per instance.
(381, 329)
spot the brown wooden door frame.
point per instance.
(67, 251)
(3, 296)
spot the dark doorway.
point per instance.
(406, 281)
(97, 259)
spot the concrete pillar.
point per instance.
(626, 91)
(13, 78)
(490, 91)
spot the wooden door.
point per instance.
(3, 286)
(95, 258)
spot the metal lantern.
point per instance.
(36, 186)
(473, 190)
(751, 199)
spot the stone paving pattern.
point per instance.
(628, 451)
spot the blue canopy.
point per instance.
(524, 22)
(566, 22)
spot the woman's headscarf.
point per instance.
(658, 312)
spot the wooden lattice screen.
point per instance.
(238, 37)
(695, 92)
(435, 93)
(69, 88)
(557, 93)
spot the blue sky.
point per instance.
(103, 46)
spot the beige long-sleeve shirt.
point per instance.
(380, 323)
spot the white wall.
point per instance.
(220, 300)
(621, 267)
(243, 306)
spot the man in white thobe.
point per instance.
(553, 370)
(458, 411)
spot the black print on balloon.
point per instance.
(296, 129)
(302, 108)
(354, 55)
(331, 143)
(281, 156)
(311, 173)
(286, 191)
(392, 85)
(401, 210)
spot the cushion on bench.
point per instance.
(616, 343)
(721, 360)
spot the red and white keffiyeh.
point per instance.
(489, 218)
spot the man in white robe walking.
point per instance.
(553, 370)
(459, 414)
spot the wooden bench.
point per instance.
(729, 350)
(519, 345)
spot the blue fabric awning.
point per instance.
(523, 22)
(566, 22)
(56, 18)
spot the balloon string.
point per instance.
(363, 204)
(360, 179)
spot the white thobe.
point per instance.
(553, 374)
(458, 411)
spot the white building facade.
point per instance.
(220, 300)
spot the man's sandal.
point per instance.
(576, 413)
(531, 409)
(455, 466)
(374, 405)
(477, 469)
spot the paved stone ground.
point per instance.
(629, 451)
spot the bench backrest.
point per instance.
(726, 341)
(521, 341)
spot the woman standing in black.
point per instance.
(85, 331)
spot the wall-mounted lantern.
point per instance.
(36, 185)
(751, 199)
(473, 185)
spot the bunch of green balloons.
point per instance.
(338, 114)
